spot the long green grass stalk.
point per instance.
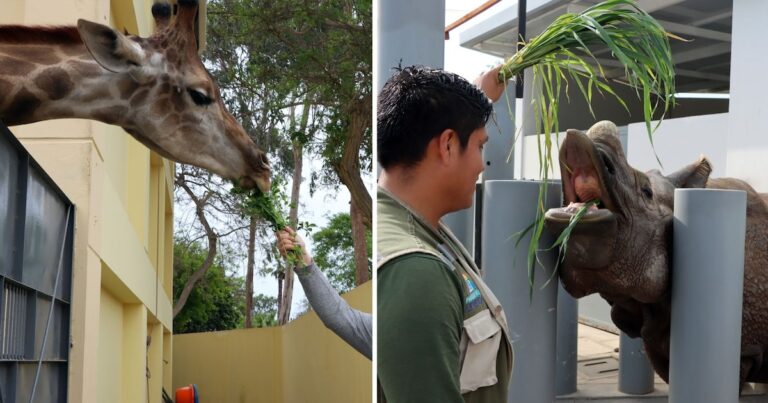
(563, 53)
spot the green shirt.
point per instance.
(421, 309)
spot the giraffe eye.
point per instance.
(199, 97)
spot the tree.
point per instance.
(215, 211)
(334, 253)
(216, 303)
(327, 47)
(298, 76)
(264, 311)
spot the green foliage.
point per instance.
(217, 301)
(269, 55)
(264, 311)
(334, 251)
(269, 207)
(635, 38)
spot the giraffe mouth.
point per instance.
(251, 182)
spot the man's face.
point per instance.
(467, 168)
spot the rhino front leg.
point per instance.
(751, 361)
(628, 317)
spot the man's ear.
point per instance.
(111, 49)
(447, 144)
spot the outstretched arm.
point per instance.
(353, 326)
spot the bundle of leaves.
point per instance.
(268, 206)
(563, 52)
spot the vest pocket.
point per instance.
(479, 367)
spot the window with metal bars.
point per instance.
(36, 240)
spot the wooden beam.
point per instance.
(468, 16)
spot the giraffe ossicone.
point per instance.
(155, 88)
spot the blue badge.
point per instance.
(474, 298)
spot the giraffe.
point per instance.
(155, 88)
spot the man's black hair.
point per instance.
(417, 104)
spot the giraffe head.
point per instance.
(175, 106)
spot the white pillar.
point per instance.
(747, 141)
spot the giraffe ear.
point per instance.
(111, 49)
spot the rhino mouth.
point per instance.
(583, 173)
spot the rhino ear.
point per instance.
(692, 176)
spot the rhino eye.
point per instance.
(607, 162)
(647, 192)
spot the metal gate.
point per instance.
(36, 243)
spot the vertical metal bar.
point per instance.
(567, 342)
(509, 207)
(3, 306)
(14, 341)
(53, 304)
(21, 217)
(30, 311)
(478, 224)
(499, 164)
(462, 225)
(635, 371)
(522, 14)
(707, 283)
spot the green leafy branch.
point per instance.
(267, 206)
(562, 53)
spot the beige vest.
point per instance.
(401, 232)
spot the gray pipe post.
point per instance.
(635, 371)
(462, 224)
(409, 32)
(707, 285)
(497, 155)
(509, 207)
(567, 342)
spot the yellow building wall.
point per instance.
(300, 362)
(122, 260)
(109, 355)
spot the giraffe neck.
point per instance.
(42, 80)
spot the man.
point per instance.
(442, 334)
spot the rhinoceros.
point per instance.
(622, 247)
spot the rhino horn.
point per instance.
(603, 127)
(692, 176)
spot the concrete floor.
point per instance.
(602, 348)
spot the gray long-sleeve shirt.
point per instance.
(353, 326)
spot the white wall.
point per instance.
(748, 134)
(679, 142)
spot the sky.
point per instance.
(465, 62)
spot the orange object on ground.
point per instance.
(187, 394)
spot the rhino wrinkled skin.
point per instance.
(623, 250)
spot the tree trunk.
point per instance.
(212, 240)
(359, 243)
(249, 274)
(284, 309)
(348, 168)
